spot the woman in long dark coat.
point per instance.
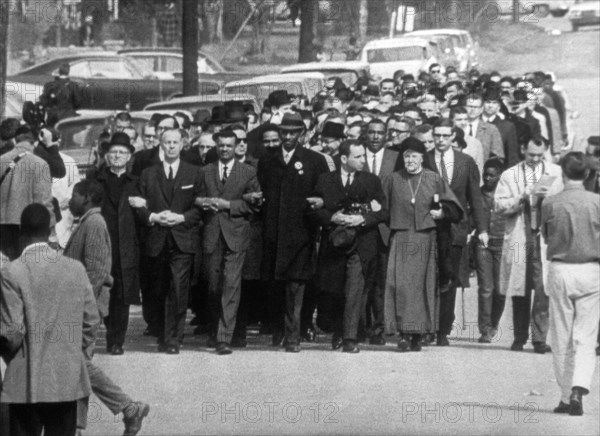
(411, 290)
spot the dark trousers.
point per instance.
(523, 312)
(224, 271)
(348, 314)
(9, 241)
(54, 419)
(171, 274)
(311, 297)
(448, 287)
(118, 315)
(285, 307)
(149, 299)
(491, 301)
(372, 300)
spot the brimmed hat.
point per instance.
(235, 112)
(333, 130)
(200, 116)
(594, 140)
(279, 98)
(292, 121)
(412, 144)
(218, 115)
(121, 139)
(492, 94)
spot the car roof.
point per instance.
(216, 98)
(74, 57)
(91, 115)
(397, 42)
(331, 65)
(270, 78)
(439, 32)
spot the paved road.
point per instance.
(467, 388)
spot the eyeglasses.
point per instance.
(149, 136)
(397, 131)
(119, 152)
(442, 135)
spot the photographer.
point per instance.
(61, 97)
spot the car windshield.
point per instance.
(115, 69)
(394, 54)
(262, 90)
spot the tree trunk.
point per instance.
(190, 48)
(3, 56)
(307, 14)
(363, 19)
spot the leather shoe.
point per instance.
(562, 408)
(576, 399)
(351, 348)
(376, 340)
(171, 349)
(239, 343)
(336, 342)
(223, 349)
(117, 350)
(403, 344)
(442, 341)
(292, 348)
(516, 346)
(541, 348)
(415, 343)
(133, 424)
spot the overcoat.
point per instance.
(507, 202)
(121, 221)
(288, 235)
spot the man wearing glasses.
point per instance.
(461, 173)
(435, 72)
(150, 140)
(398, 129)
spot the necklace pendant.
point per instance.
(412, 200)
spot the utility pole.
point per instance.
(190, 47)
(3, 59)
(307, 14)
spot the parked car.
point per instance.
(79, 135)
(192, 104)
(386, 56)
(167, 62)
(539, 8)
(309, 84)
(348, 71)
(584, 13)
(110, 81)
(464, 46)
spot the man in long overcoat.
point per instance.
(288, 178)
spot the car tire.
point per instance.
(558, 13)
(575, 27)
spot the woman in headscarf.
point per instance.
(419, 201)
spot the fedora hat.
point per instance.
(218, 115)
(235, 112)
(333, 130)
(279, 98)
(292, 121)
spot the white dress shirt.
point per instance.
(222, 166)
(448, 160)
(174, 165)
(345, 175)
(378, 161)
(287, 155)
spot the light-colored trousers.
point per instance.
(574, 291)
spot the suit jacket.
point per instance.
(392, 161)
(365, 188)
(288, 235)
(490, 139)
(144, 159)
(528, 128)
(38, 294)
(90, 244)
(233, 224)
(508, 132)
(153, 187)
(465, 185)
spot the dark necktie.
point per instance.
(170, 173)
(224, 179)
(374, 165)
(443, 169)
(470, 129)
(348, 181)
(534, 201)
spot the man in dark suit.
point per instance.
(382, 162)
(487, 134)
(61, 97)
(508, 132)
(170, 190)
(353, 199)
(288, 178)
(226, 234)
(152, 156)
(462, 174)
